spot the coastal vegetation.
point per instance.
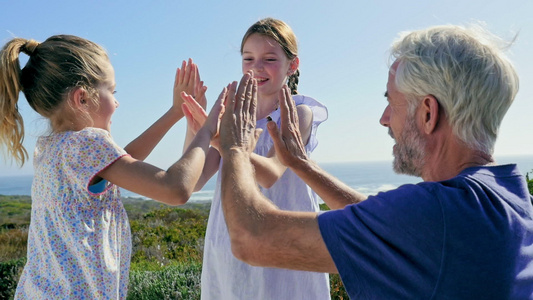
(167, 248)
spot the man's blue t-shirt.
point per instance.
(470, 237)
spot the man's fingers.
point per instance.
(284, 109)
(279, 144)
(293, 116)
(240, 97)
(253, 104)
(248, 95)
(274, 132)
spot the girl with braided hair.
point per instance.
(269, 49)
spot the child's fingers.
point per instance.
(197, 75)
(200, 96)
(219, 104)
(176, 77)
(186, 97)
(187, 76)
(181, 71)
(187, 112)
(190, 119)
(197, 111)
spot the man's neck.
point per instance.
(445, 163)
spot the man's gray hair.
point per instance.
(466, 70)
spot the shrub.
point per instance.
(13, 243)
(9, 275)
(169, 235)
(177, 281)
(529, 183)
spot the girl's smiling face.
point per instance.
(270, 64)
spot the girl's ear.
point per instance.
(295, 63)
(78, 99)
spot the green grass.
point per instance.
(174, 281)
(167, 247)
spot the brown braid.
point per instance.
(293, 82)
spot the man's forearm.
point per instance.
(260, 233)
(240, 193)
(335, 193)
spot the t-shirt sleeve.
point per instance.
(89, 152)
(392, 241)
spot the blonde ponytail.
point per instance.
(11, 123)
(55, 67)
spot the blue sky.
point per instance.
(343, 60)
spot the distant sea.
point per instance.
(368, 178)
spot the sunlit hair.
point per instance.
(466, 70)
(54, 69)
(284, 36)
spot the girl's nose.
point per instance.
(116, 103)
(258, 66)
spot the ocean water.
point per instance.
(368, 178)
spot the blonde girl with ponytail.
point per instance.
(79, 241)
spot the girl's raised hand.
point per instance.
(212, 123)
(194, 112)
(188, 80)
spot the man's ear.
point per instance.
(295, 63)
(78, 98)
(430, 110)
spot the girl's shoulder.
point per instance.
(303, 99)
(85, 132)
(88, 135)
(93, 132)
(320, 111)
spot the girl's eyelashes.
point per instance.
(249, 59)
(114, 92)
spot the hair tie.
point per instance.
(29, 47)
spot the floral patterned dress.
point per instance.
(79, 242)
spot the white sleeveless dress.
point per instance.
(224, 276)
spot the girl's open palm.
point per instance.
(188, 80)
(212, 123)
(194, 112)
(197, 116)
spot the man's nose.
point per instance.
(385, 117)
